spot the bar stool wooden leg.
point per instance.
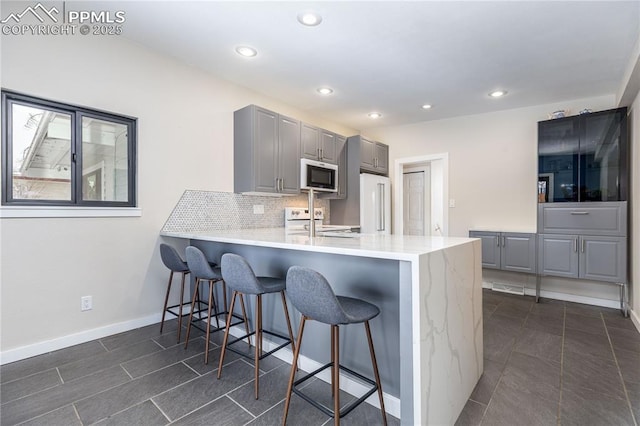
(244, 315)
(180, 306)
(166, 300)
(286, 316)
(258, 343)
(196, 296)
(336, 375)
(333, 351)
(226, 332)
(206, 345)
(292, 376)
(376, 373)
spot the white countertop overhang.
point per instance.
(396, 247)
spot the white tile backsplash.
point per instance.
(210, 210)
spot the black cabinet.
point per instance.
(583, 157)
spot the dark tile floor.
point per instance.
(555, 363)
(552, 363)
(142, 377)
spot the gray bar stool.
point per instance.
(311, 294)
(203, 271)
(238, 275)
(174, 263)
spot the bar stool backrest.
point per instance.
(199, 265)
(239, 275)
(172, 259)
(313, 297)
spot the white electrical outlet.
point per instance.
(258, 209)
(86, 303)
(452, 202)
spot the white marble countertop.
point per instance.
(396, 247)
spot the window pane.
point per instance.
(104, 160)
(41, 147)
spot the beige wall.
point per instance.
(492, 162)
(185, 141)
(634, 119)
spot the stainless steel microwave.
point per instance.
(318, 176)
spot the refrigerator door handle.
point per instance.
(381, 207)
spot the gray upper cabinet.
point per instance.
(509, 251)
(584, 158)
(266, 152)
(318, 144)
(374, 156)
(342, 172)
(329, 147)
(583, 240)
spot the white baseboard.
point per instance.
(347, 384)
(606, 303)
(40, 348)
(635, 318)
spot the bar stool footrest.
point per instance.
(185, 312)
(326, 410)
(265, 354)
(195, 321)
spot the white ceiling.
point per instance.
(392, 57)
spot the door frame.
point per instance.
(439, 189)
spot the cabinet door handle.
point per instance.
(575, 245)
(579, 213)
(321, 153)
(583, 246)
(318, 153)
(504, 241)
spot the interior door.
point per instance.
(414, 211)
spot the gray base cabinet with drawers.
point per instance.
(584, 240)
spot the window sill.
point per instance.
(17, 212)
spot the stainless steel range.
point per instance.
(296, 221)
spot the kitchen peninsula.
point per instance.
(428, 336)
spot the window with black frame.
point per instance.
(55, 154)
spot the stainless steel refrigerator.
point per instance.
(375, 204)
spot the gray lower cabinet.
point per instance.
(509, 251)
(266, 152)
(591, 257)
(319, 144)
(583, 240)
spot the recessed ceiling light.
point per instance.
(498, 93)
(427, 106)
(374, 115)
(324, 90)
(246, 51)
(310, 19)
